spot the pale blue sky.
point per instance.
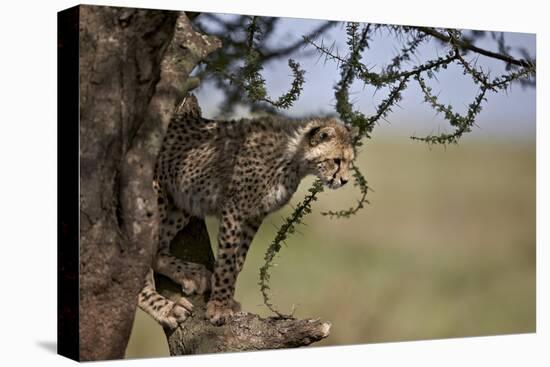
(510, 114)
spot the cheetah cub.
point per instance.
(238, 171)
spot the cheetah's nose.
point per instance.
(343, 181)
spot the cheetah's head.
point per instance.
(329, 152)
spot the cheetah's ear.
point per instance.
(189, 106)
(320, 134)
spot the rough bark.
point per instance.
(134, 72)
(125, 107)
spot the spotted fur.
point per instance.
(238, 171)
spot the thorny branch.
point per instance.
(251, 80)
(288, 228)
(463, 45)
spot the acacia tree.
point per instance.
(136, 69)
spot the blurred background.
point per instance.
(446, 247)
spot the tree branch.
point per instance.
(293, 47)
(468, 46)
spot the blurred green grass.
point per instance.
(446, 248)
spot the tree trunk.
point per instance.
(126, 99)
(134, 71)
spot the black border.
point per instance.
(68, 182)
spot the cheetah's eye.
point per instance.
(337, 161)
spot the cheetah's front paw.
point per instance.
(219, 312)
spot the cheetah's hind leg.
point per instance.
(193, 277)
(165, 311)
